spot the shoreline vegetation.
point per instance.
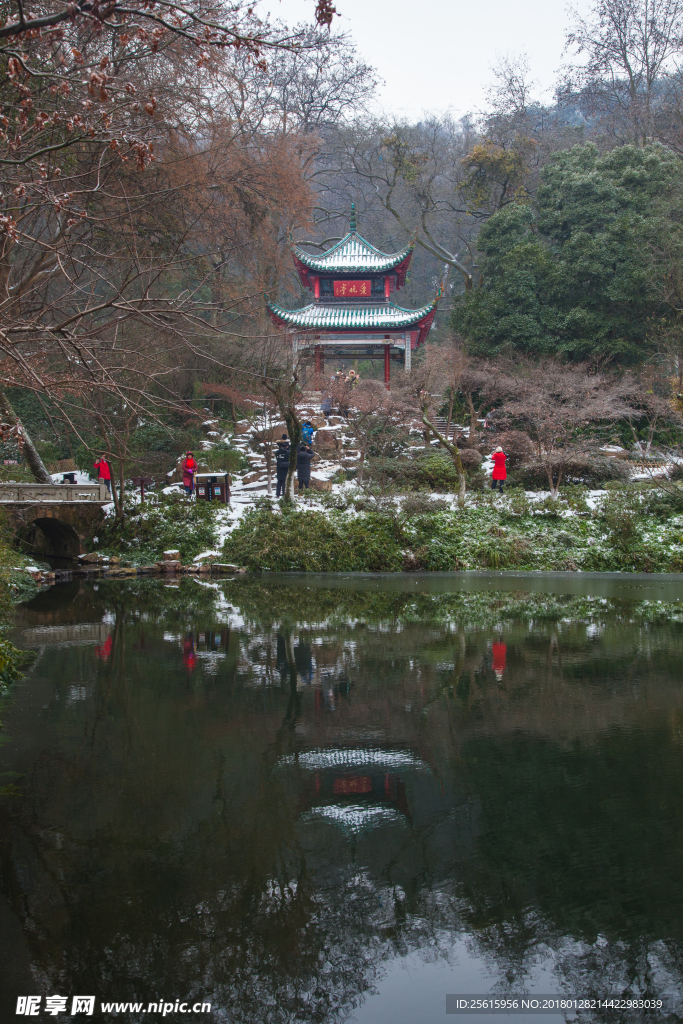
(627, 527)
(635, 527)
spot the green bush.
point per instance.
(434, 471)
(224, 457)
(164, 522)
(292, 540)
(11, 660)
(48, 451)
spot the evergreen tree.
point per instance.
(571, 273)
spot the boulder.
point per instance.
(320, 485)
(242, 427)
(251, 478)
(470, 458)
(614, 451)
(224, 567)
(327, 439)
(114, 559)
(274, 434)
(91, 557)
(171, 556)
(170, 565)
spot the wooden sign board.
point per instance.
(352, 289)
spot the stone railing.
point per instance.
(53, 492)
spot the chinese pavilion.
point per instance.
(352, 315)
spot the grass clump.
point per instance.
(164, 522)
(629, 531)
(294, 540)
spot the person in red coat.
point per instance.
(104, 472)
(499, 475)
(499, 653)
(189, 469)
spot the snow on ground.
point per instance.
(244, 496)
(81, 477)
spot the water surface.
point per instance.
(328, 799)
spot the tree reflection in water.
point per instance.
(264, 795)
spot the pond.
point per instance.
(343, 798)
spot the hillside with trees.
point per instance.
(156, 166)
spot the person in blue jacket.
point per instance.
(307, 432)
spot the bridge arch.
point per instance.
(50, 538)
(54, 529)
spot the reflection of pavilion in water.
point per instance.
(355, 788)
(383, 809)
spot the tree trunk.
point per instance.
(35, 463)
(117, 492)
(554, 487)
(269, 467)
(294, 433)
(472, 439)
(636, 439)
(361, 466)
(122, 484)
(450, 414)
(455, 455)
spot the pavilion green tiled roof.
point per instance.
(351, 316)
(352, 255)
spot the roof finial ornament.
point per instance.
(352, 223)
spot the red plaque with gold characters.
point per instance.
(352, 289)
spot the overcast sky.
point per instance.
(436, 55)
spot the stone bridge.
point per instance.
(54, 520)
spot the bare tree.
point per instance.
(649, 394)
(630, 50)
(376, 418)
(310, 88)
(556, 404)
(91, 97)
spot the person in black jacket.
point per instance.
(304, 457)
(281, 465)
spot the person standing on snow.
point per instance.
(104, 472)
(281, 465)
(304, 457)
(499, 475)
(307, 432)
(189, 469)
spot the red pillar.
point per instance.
(387, 367)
